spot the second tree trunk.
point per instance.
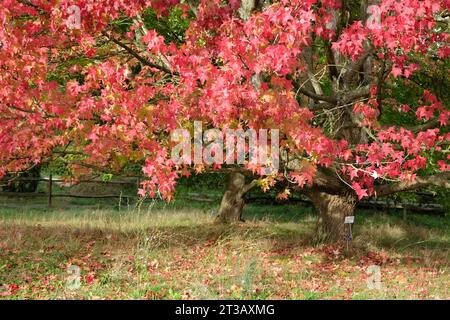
(332, 210)
(233, 202)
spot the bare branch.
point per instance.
(137, 56)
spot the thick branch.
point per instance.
(381, 78)
(331, 59)
(357, 94)
(249, 186)
(312, 95)
(439, 180)
(356, 66)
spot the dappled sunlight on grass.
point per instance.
(172, 253)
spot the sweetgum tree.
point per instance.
(106, 81)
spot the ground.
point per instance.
(177, 251)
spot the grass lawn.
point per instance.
(176, 251)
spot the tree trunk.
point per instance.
(233, 201)
(332, 210)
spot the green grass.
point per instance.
(176, 251)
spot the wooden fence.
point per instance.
(368, 204)
(50, 195)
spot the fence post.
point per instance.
(138, 186)
(50, 187)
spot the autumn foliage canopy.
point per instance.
(112, 89)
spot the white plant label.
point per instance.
(349, 219)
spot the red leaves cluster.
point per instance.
(229, 73)
(375, 258)
(10, 290)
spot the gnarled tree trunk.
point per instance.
(332, 210)
(232, 204)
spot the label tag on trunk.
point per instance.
(349, 219)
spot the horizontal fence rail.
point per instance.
(50, 194)
(136, 180)
(65, 181)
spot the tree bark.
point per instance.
(232, 204)
(331, 211)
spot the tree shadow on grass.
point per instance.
(286, 240)
(285, 231)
